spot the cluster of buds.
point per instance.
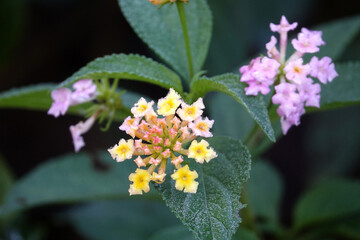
(159, 139)
(63, 98)
(163, 2)
(294, 87)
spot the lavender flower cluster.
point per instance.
(293, 81)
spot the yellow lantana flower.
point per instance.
(123, 150)
(185, 180)
(142, 107)
(200, 152)
(191, 112)
(140, 179)
(168, 105)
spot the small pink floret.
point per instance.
(284, 26)
(155, 161)
(310, 93)
(162, 122)
(202, 132)
(296, 71)
(138, 143)
(177, 146)
(308, 41)
(78, 140)
(156, 140)
(85, 91)
(248, 70)
(259, 75)
(272, 51)
(285, 92)
(157, 148)
(176, 161)
(255, 87)
(323, 69)
(167, 142)
(79, 129)
(61, 103)
(172, 132)
(266, 69)
(130, 126)
(156, 129)
(139, 162)
(146, 150)
(176, 122)
(291, 105)
(166, 153)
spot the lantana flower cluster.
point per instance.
(292, 79)
(155, 140)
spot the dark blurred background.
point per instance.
(48, 40)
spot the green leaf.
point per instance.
(344, 228)
(234, 122)
(129, 67)
(36, 97)
(174, 233)
(213, 212)
(6, 182)
(349, 228)
(181, 233)
(245, 234)
(264, 191)
(6, 179)
(329, 201)
(71, 178)
(161, 30)
(343, 90)
(352, 52)
(131, 219)
(336, 43)
(230, 85)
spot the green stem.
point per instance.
(180, 8)
(248, 216)
(250, 137)
(256, 137)
(115, 84)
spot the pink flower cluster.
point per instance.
(294, 87)
(63, 98)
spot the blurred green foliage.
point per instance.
(11, 23)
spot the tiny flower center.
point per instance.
(202, 126)
(142, 108)
(122, 149)
(169, 104)
(297, 69)
(190, 111)
(306, 44)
